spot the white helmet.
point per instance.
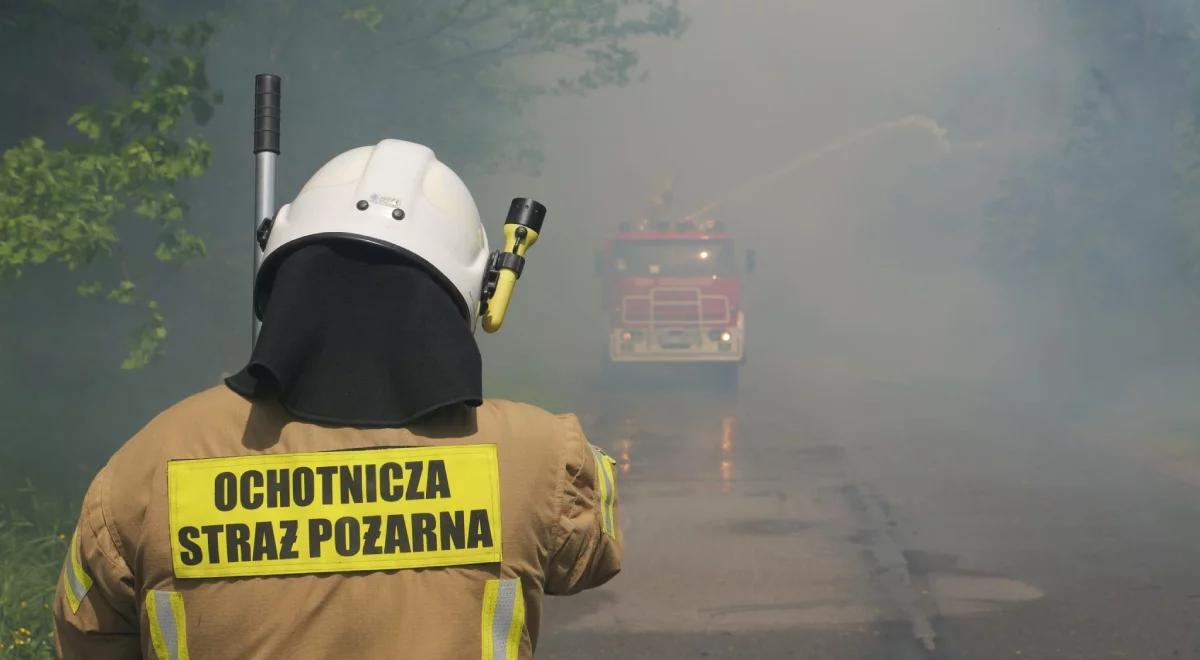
(396, 195)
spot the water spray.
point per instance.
(920, 122)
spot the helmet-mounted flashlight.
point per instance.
(521, 230)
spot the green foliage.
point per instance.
(33, 542)
(148, 339)
(370, 16)
(67, 204)
(460, 72)
(454, 73)
(1114, 213)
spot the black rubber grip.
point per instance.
(267, 91)
(527, 213)
(513, 262)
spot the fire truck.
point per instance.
(673, 295)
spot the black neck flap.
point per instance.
(354, 336)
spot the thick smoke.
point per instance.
(848, 153)
(872, 153)
(893, 164)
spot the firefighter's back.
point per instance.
(247, 533)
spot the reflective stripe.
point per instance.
(611, 502)
(168, 624)
(503, 619)
(77, 582)
(606, 480)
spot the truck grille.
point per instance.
(675, 306)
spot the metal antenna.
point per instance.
(267, 91)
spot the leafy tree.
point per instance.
(454, 73)
(459, 72)
(71, 204)
(1107, 214)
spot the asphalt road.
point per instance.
(876, 521)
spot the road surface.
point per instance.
(876, 521)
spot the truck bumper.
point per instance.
(677, 344)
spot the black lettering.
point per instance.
(370, 487)
(346, 538)
(237, 542)
(351, 478)
(327, 472)
(191, 554)
(371, 536)
(438, 484)
(450, 525)
(264, 541)
(414, 480)
(225, 491)
(319, 531)
(479, 530)
(302, 486)
(396, 535)
(213, 532)
(423, 528)
(251, 499)
(389, 472)
(277, 489)
(287, 549)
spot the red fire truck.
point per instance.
(673, 293)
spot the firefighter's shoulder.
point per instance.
(137, 469)
(527, 423)
(184, 429)
(202, 425)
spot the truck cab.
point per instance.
(673, 293)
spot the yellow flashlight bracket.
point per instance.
(521, 230)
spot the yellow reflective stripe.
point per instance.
(606, 482)
(611, 502)
(168, 624)
(503, 621)
(180, 617)
(490, 592)
(77, 581)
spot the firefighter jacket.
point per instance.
(229, 529)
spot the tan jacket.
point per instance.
(121, 595)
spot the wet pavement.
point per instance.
(877, 522)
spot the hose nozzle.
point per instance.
(521, 229)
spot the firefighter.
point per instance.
(349, 493)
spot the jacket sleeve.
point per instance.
(95, 611)
(586, 551)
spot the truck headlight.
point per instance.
(720, 335)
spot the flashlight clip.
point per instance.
(499, 261)
(509, 260)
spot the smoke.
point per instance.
(904, 171)
(863, 148)
(855, 156)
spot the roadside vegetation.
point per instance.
(34, 533)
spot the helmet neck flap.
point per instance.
(354, 335)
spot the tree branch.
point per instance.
(449, 23)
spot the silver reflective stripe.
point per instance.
(78, 590)
(502, 620)
(77, 580)
(165, 619)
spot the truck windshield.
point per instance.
(684, 258)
